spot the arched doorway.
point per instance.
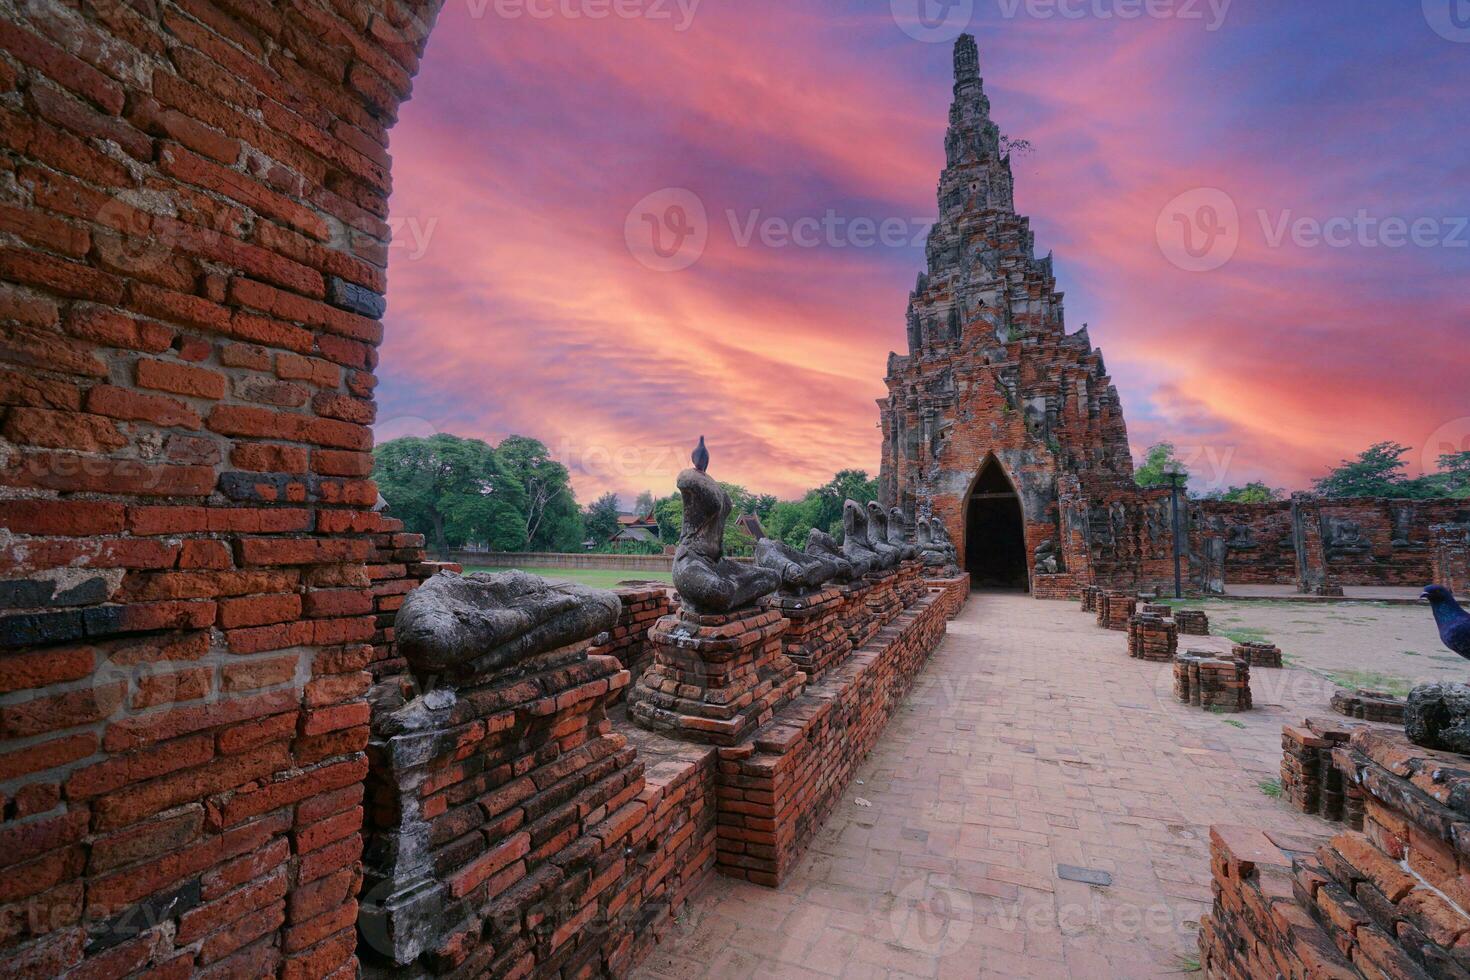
(995, 531)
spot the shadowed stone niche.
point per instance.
(718, 671)
(489, 789)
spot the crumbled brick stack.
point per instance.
(882, 597)
(1387, 902)
(396, 566)
(1157, 609)
(1369, 706)
(1207, 680)
(1310, 781)
(1152, 637)
(778, 789)
(644, 604)
(513, 793)
(815, 638)
(715, 679)
(1114, 609)
(1089, 594)
(857, 619)
(1062, 586)
(1258, 654)
(1192, 622)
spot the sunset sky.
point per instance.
(515, 304)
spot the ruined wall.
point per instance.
(1259, 548)
(1452, 557)
(1384, 542)
(192, 254)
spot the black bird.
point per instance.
(700, 456)
(1454, 622)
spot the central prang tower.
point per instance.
(997, 420)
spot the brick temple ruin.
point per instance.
(1009, 428)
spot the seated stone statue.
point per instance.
(878, 536)
(855, 543)
(941, 538)
(931, 553)
(461, 625)
(900, 535)
(800, 572)
(1047, 560)
(708, 582)
(823, 545)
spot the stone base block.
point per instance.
(1114, 609)
(882, 598)
(1088, 595)
(1152, 637)
(815, 638)
(715, 679)
(1192, 622)
(1212, 682)
(1310, 781)
(1259, 654)
(1369, 706)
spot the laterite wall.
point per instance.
(192, 256)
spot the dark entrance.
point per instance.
(995, 533)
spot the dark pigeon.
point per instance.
(700, 456)
(1454, 622)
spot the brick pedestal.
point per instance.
(882, 598)
(1152, 637)
(1387, 902)
(1114, 609)
(952, 593)
(1206, 680)
(1258, 654)
(855, 617)
(815, 638)
(1192, 622)
(477, 798)
(1089, 594)
(715, 679)
(644, 604)
(1310, 781)
(910, 583)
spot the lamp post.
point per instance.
(1176, 476)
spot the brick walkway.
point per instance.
(1032, 742)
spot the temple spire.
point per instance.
(966, 60)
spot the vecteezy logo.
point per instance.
(1199, 230)
(932, 915)
(1449, 18)
(667, 230)
(934, 21)
(1449, 439)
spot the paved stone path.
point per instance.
(1031, 742)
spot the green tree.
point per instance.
(1453, 478)
(601, 519)
(1378, 471)
(1251, 493)
(453, 491)
(1160, 459)
(553, 519)
(643, 506)
(669, 512)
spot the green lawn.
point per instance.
(599, 578)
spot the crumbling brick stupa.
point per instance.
(997, 419)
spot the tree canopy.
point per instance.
(1160, 459)
(1252, 493)
(553, 522)
(601, 519)
(1378, 471)
(453, 491)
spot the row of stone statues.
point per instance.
(874, 540)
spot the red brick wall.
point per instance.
(192, 254)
